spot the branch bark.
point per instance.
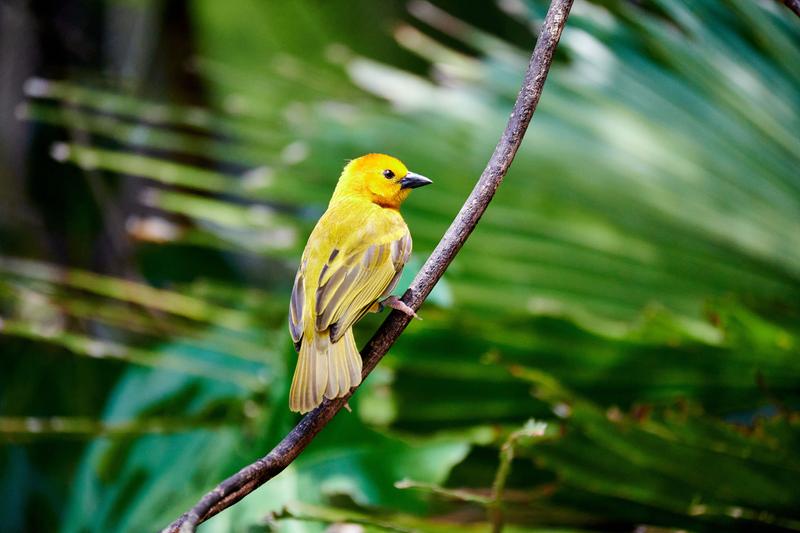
(794, 5)
(256, 474)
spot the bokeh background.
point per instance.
(615, 348)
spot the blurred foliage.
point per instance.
(615, 348)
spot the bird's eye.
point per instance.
(388, 174)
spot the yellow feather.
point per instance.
(352, 259)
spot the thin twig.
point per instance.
(531, 429)
(794, 5)
(495, 508)
(254, 475)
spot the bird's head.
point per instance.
(379, 178)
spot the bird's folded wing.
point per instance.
(351, 282)
(296, 307)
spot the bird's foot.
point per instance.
(396, 303)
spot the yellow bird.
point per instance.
(352, 260)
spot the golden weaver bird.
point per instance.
(352, 260)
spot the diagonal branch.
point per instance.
(256, 474)
(794, 5)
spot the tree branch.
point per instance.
(256, 474)
(794, 5)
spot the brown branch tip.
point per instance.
(256, 474)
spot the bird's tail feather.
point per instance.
(324, 368)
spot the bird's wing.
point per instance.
(296, 306)
(350, 283)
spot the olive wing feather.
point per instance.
(296, 307)
(350, 283)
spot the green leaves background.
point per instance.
(634, 288)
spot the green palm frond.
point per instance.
(635, 287)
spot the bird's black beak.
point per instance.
(412, 181)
